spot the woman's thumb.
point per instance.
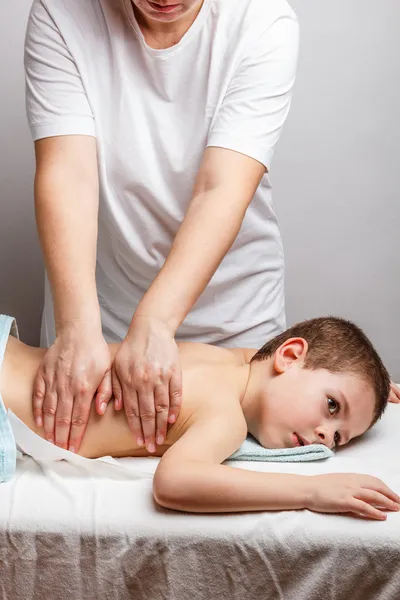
(116, 390)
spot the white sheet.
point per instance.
(79, 529)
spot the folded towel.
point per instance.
(43, 452)
(252, 450)
(7, 442)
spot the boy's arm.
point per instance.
(190, 477)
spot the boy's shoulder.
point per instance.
(211, 424)
(208, 353)
(212, 381)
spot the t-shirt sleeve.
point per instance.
(56, 101)
(258, 97)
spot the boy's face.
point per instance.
(313, 407)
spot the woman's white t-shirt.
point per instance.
(227, 83)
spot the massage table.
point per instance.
(91, 531)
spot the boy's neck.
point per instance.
(245, 354)
(253, 397)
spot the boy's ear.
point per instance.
(294, 350)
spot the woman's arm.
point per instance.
(67, 202)
(78, 362)
(148, 365)
(225, 186)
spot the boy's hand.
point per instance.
(352, 493)
(394, 395)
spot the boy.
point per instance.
(321, 381)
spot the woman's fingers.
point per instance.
(162, 408)
(148, 415)
(104, 393)
(175, 395)
(39, 391)
(45, 399)
(116, 389)
(148, 368)
(127, 397)
(62, 417)
(79, 419)
(69, 375)
(49, 409)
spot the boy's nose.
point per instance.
(325, 436)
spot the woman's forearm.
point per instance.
(224, 188)
(66, 202)
(204, 488)
(206, 234)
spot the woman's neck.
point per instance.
(159, 35)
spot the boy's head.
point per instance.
(325, 383)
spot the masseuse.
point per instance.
(154, 127)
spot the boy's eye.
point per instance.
(333, 406)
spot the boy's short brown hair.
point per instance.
(339, 346)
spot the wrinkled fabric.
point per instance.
(82, 535)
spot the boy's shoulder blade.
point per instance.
(197, 353)
(211, 382)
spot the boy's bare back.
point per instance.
(209, 376)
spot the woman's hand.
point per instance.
(361, 495)
(73, 369)
(147, 380)
(394, 395)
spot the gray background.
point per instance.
(334, 173)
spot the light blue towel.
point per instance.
(252, 450)
(8, 451)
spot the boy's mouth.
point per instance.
(299, 441)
